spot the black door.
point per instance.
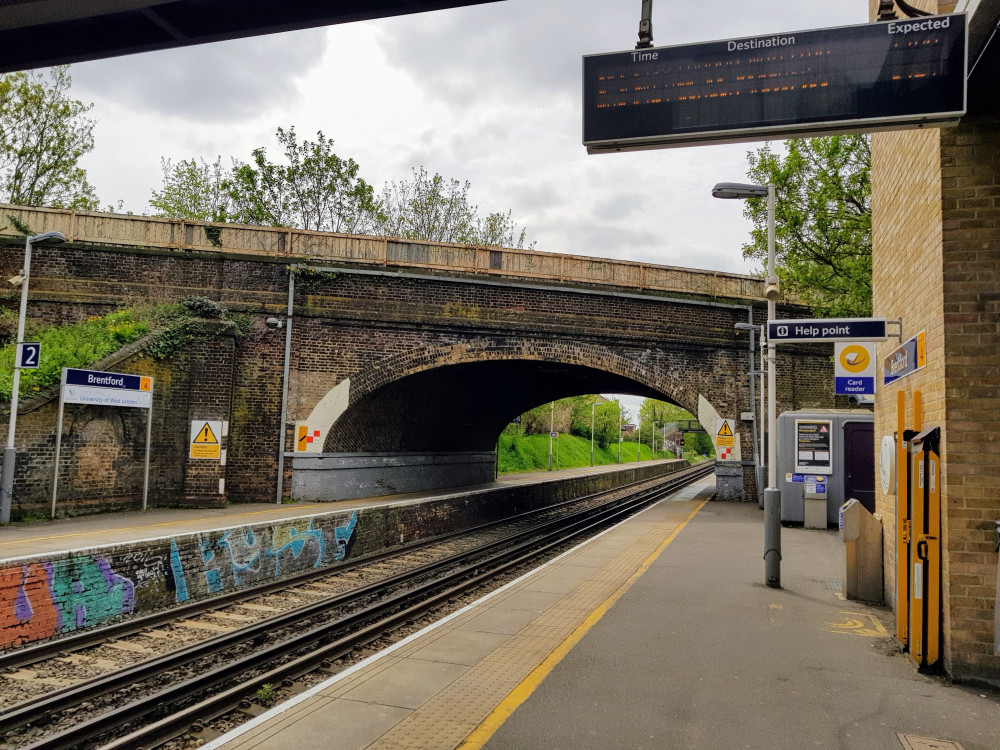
(859, 463)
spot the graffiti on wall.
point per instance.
(59, 597)
(247, 555)
(41, 599)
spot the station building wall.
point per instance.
(936, 266)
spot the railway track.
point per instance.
(339, 613)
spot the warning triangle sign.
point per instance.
(206, 436)
(724, 430)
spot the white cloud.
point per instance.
(489, 94)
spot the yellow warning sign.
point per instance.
(205, 435)
(205, 439)
(724, 438)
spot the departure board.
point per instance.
(874, 76)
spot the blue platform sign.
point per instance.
(106, 388)
(828, 329)
(906, 359)
(28, 355)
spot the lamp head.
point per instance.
(738, 190)
(50, 237)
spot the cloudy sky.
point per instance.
(489, 94)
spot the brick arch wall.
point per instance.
(465, 392)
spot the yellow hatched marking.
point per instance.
(867, 626)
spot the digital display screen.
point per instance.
(847, 79)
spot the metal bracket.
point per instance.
(646, 26)
(898, 334)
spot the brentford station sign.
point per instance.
(876, 76)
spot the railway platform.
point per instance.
(22, 540)
(657, 634)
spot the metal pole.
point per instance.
(284, 381)
(149, 436)
(619, 432)
(763, 399)
(772, 495)
(10, 452)
(59, 426)
(552, 422)
(638, 442)
(592, 407)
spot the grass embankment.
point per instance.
(525, 453)
(82, 344)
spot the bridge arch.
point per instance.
(459, 396)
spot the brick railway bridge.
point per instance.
(405, 359)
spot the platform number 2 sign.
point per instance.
(28, 355)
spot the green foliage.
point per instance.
(203, 307)
(266, 695)
(438, 210)
(43, 135)
(823, 242)
(192, 190)
(82, 344)
(8, 326)
(19, 225)
(74, 345)
(313, 188)
(527, 453)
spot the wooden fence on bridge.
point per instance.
(303, 246)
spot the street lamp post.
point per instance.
(592, 406)
(772, 495)
(10, 453)
(619, 431)
(552, 422)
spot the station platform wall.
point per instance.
(50, 595)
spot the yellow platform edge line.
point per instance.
(520, 694)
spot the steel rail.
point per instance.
(23, 656)
(395, 610)
(28, 711)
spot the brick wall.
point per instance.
(424, 356)
(971, 318)
(103, 450)
(936, 263)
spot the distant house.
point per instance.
(628, 429)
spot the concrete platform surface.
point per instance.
(658, 634)
(83, 532)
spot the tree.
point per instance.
(438, 210)
(192, 190)
(43, 135)
(314, 189)
(822, 221)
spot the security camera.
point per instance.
(16, 280)
(273, 323)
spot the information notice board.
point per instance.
(813, 446)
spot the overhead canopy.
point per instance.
(40, 33)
